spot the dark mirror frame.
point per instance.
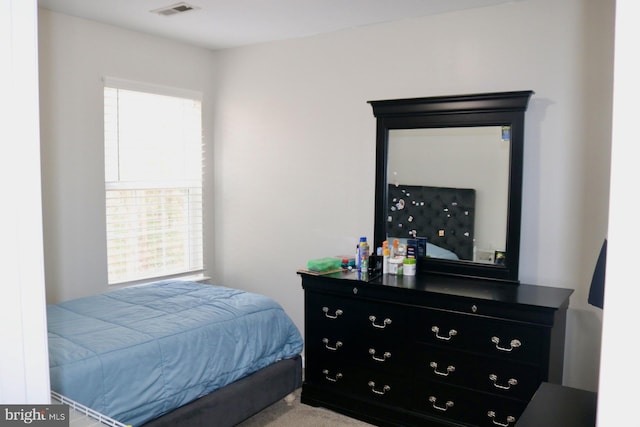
(486, 109)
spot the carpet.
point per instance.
(299, 415)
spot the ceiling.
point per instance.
(220, 24)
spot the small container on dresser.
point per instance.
(429, 349)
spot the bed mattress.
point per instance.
(137, 353)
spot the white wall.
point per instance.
(619, 373)
(295, 142)
(292, 141)
(24, 361)
(75, 54)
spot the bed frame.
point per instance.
(445, 216)
(239, 400)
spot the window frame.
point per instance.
(154, 89)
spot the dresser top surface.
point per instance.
(555, 405)
(423, 284)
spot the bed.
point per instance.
(174, 353)
(444, 216)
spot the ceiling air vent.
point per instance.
(174, 9)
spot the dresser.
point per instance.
(430, 349)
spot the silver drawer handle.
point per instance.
(384, 357)
(338, 312)
(511, 382)
(450, 369)
(335, 379)
(448, 404)
(436, 330)
(510, 419)
(384, 324)
(513, 344)
(384, 390)
(328, 347)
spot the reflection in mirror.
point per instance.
(449, 174)
(450, 180)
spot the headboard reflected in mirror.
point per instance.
(442, 216)
(473, 142)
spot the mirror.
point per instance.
(449, 179)
(482, 156)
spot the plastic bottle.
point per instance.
(395, 265)
(385, 260)
(363, 255)
(358, 256)
(400, 251)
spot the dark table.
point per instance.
(555, 405)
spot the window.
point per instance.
(153, 182)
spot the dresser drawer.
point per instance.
(494, 413)
(363, 352)
(377, 320)
(381, 322)
(513, 380)
(332, 345)
(363, 384)
(329, 313)
(509, 340)
(329, 374)
(451, 367)
(383, 388)
(389, 357)
(510, 379)
(465, 405)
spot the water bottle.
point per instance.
(363, 255)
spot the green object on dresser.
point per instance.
(321, 265)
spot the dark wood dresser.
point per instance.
(430, 350)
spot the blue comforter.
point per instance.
(136, 353)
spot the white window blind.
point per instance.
(153, 183)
